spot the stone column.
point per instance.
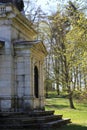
(41, 84)
(28, 83)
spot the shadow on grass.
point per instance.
(73, 127)
(67, 127)
(83, 107)
(57, 106)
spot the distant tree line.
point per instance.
(65, 36)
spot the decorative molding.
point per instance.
(19, 21)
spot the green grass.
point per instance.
(78, 116)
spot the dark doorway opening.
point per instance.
(36, 81)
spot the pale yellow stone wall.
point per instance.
(37, 57)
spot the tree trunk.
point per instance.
(46, 91)
(71, 100)
(58, 90)
(70, 92)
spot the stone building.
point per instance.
(21, 62)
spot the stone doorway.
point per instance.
(36, 91)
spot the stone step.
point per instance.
(28, 120)
(42, 119)
(57, 123)
(30, 113)
(11, 126)
(40, 113)
(19, 126)
(46, 119)
(44, 126)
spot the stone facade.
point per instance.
(21, 62)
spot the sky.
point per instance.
(52, 5)
(49, 6)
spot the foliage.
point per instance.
(82, 98)
(65, 36)
(77, 94)
(67, 53)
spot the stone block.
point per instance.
(20, 65)
(27, 83)
(5, 32)
(20, 72)
(20, 84)
(5, 77)
(5, 90)
(5, 83)
(5, 105)
(27, 77)
(19, 59)
(20, 92)
(5, 70)
(27, 91)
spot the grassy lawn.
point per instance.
(77, 116)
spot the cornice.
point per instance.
(36, 46)
(9, 11)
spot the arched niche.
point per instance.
(36, 84)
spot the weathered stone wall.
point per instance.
(26, 58)
(6, 67)
(17, 62)
(37, 59)
(22, 75)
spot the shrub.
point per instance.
(81, 96)
(76, 94)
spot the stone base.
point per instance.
(35, 120)
(15, 104)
